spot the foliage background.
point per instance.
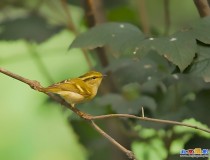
(34, 38)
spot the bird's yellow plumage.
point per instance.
(77, 90)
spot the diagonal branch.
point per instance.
(113, 141)
(37, 86)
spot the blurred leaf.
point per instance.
(153, 149)
(32, 27)
(115, 35)
(179, 143)
(131, 91)
(121, 105)
(201, 65)
(185, 82)
(201, 30)
(149, 68)
(192, 121)
(146, 132)
(198, 142)
(179, 48)
(199, 107)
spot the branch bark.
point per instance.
(37, 86)
(144, 17)
(202, 7)
(94, 14)
(149, 119)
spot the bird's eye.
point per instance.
(94, 78)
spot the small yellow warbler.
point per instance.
(77, 90)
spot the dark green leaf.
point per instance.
(201, 30)
(199, 107)
(33, 27)
(179, 48)
(121, 37)
(152, 66)
(121, 105)
(201, 66)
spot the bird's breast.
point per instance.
(72, 97)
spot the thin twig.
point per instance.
(113, 141)
(32, 83)
(149, 119)
(142, 112)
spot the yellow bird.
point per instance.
(77, 90)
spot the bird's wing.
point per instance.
(72, 85)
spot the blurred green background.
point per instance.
(34, 40)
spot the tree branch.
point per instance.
(113, 141)
(143, 17)
(202, 7)
(94, 14)
(149, 119)
(37, 86)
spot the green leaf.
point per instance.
(185, 82)
(192, 121)
(199, 108)
(179, 48)
(153, 149)
(32, 27)
(201, 30)
(121, 37)
(201, 66)
(122, 105)
(152, 66)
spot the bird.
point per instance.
(77, 90)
